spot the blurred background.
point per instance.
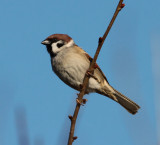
(35, 104)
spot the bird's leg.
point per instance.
(89, 74)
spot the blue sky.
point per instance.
(34, 103)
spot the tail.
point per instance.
(128, 104)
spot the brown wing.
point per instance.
(98, 72)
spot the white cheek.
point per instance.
(55, 49)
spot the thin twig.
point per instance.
(86, 78)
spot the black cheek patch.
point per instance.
(49, 49)
(60, 45)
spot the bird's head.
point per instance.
(57, 42)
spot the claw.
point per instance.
(89, 74)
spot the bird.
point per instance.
(70, 63)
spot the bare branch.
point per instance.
(91, 70)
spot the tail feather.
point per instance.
(128, 104)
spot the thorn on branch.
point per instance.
(80, 103)
(121, 7)
(70, 117)
(84, 101)
(74, 138)
(100, 40)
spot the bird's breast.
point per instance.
(70, 66)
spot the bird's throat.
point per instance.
(49, 49)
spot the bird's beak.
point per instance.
(45, 42)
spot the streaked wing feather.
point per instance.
(97, 68)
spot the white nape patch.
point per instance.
(55, 49)
(69, 44)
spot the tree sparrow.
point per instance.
(70, 63)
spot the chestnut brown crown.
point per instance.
(57, 37)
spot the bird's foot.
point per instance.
(89, 74)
